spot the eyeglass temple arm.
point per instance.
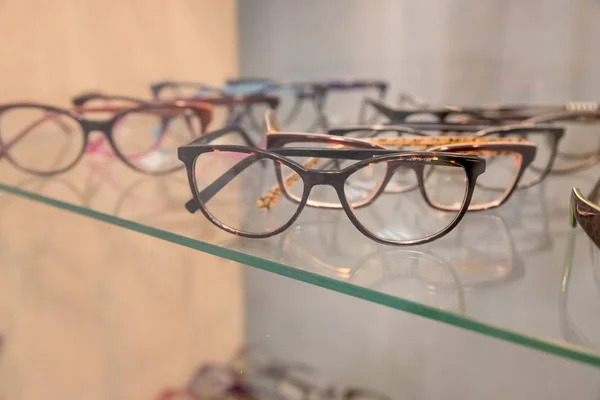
(84, 98)
(208, 193)
(211, 136)
(157, 87)
(219, 183)
(412, 100)
(271, 198)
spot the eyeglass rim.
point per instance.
(472, 165)
(88, 126)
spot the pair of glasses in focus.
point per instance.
(579, 149)
(47, 140)
(545, 136)
(227, 180)
(586, 212)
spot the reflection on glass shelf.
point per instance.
(498, 272)
(580, 292)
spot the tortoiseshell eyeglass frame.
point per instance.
(525, 152)
(586, 212)
(473, 166)
(552, 135)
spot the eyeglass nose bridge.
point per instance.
(97, 126)
(328, 178)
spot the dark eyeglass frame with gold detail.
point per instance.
(586, 212)
(472, 166)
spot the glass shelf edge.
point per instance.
(542, 344)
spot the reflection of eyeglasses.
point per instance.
(47, 140)
(222, 176)
(326, 246)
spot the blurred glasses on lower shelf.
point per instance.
(226, 182)
(253, 375)
(46, 140)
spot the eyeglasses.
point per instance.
(237, 108)
(506, 161)
(296, 99)
(580, 148)
(507, 111)
(545, 136)
(444, 114)
(524, 111)
(47, 140)
(226, 180)
(340, 101)
(586, 212)
(328, 101)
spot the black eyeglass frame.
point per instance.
(472, 165)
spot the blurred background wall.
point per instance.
(54, 49)
(94, 311)
(457, 51)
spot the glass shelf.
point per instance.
(498, 273)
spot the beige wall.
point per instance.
(53, 49)
(90, 310)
